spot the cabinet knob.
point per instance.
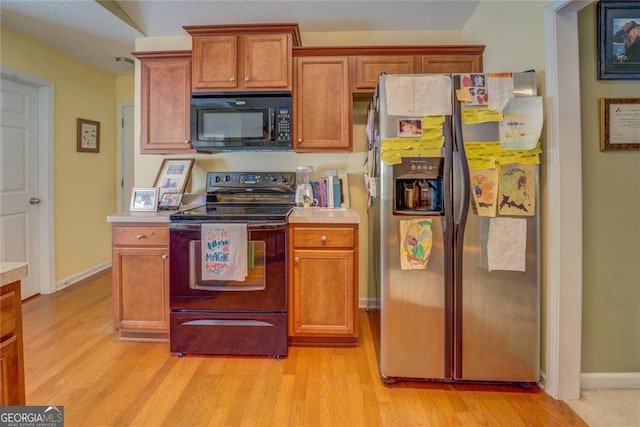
(299, 139)
(246, 79)
(296, 259)
(165, 256)
(232, 79)
(323, 238)
(186, 141)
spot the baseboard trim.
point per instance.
(82, 275)
(592, 380)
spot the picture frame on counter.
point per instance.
(170, 201)
(144, 199)
(87, 136)
(173, 175)
(619, 124)
(618, 28)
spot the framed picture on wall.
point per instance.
(87, 136)
(618, 39)
(619, 124)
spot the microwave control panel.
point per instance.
(283, 124)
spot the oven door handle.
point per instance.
(251, 226)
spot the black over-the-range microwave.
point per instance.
(241, 121)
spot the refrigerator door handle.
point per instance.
(461, 181)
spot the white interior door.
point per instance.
(126, 160)
(19, 180)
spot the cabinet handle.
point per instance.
(323, 238)
(296, 259)
(232, 79)
(143, 236)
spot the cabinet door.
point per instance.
(369, 68)
(165, 105)
(323, 293)
(322, 104)
(267, 61)
(215, 62)
(451, 63)
(11, 374)
(141, 289)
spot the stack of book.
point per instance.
(330, 191)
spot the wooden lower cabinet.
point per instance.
(323, 278)
(11, 351)
(141, 281)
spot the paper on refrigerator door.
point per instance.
(521, 126)
(417, 96)
(517, 190)
(507, 244)
(415, 243)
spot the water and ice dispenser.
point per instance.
(418, 186)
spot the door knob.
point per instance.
(34, 200)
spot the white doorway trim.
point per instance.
(45, 180)
(124, 177)
(563, 200)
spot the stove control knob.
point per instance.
(217, 178)
(285, 179)
(227, 178)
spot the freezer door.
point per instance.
(413, 339)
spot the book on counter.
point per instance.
(328, 191)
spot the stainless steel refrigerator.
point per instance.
(456, 319)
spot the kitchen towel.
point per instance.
(224, 251)
(415, 244)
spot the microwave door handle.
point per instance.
(272, 120)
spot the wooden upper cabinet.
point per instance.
(367, 69)
(165, 96)
(451, 63)
(322, 104)
(215, 63)
(243, 57)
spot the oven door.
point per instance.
(263, 290)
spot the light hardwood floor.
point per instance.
(73, 358)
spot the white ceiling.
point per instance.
(86, 30)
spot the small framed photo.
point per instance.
(619, 124)
(170, 201)
(618, 39)
(174, 175)
(88, 136)
(410, 128)
(144, 199)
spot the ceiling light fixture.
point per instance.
(124, 64)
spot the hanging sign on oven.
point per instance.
(224, 251)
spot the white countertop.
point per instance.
(298, 215)
(324, 215)
(12, 271)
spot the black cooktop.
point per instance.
(233, 212)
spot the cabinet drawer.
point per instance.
(9, 312)
(323, 237)
(141, 236)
